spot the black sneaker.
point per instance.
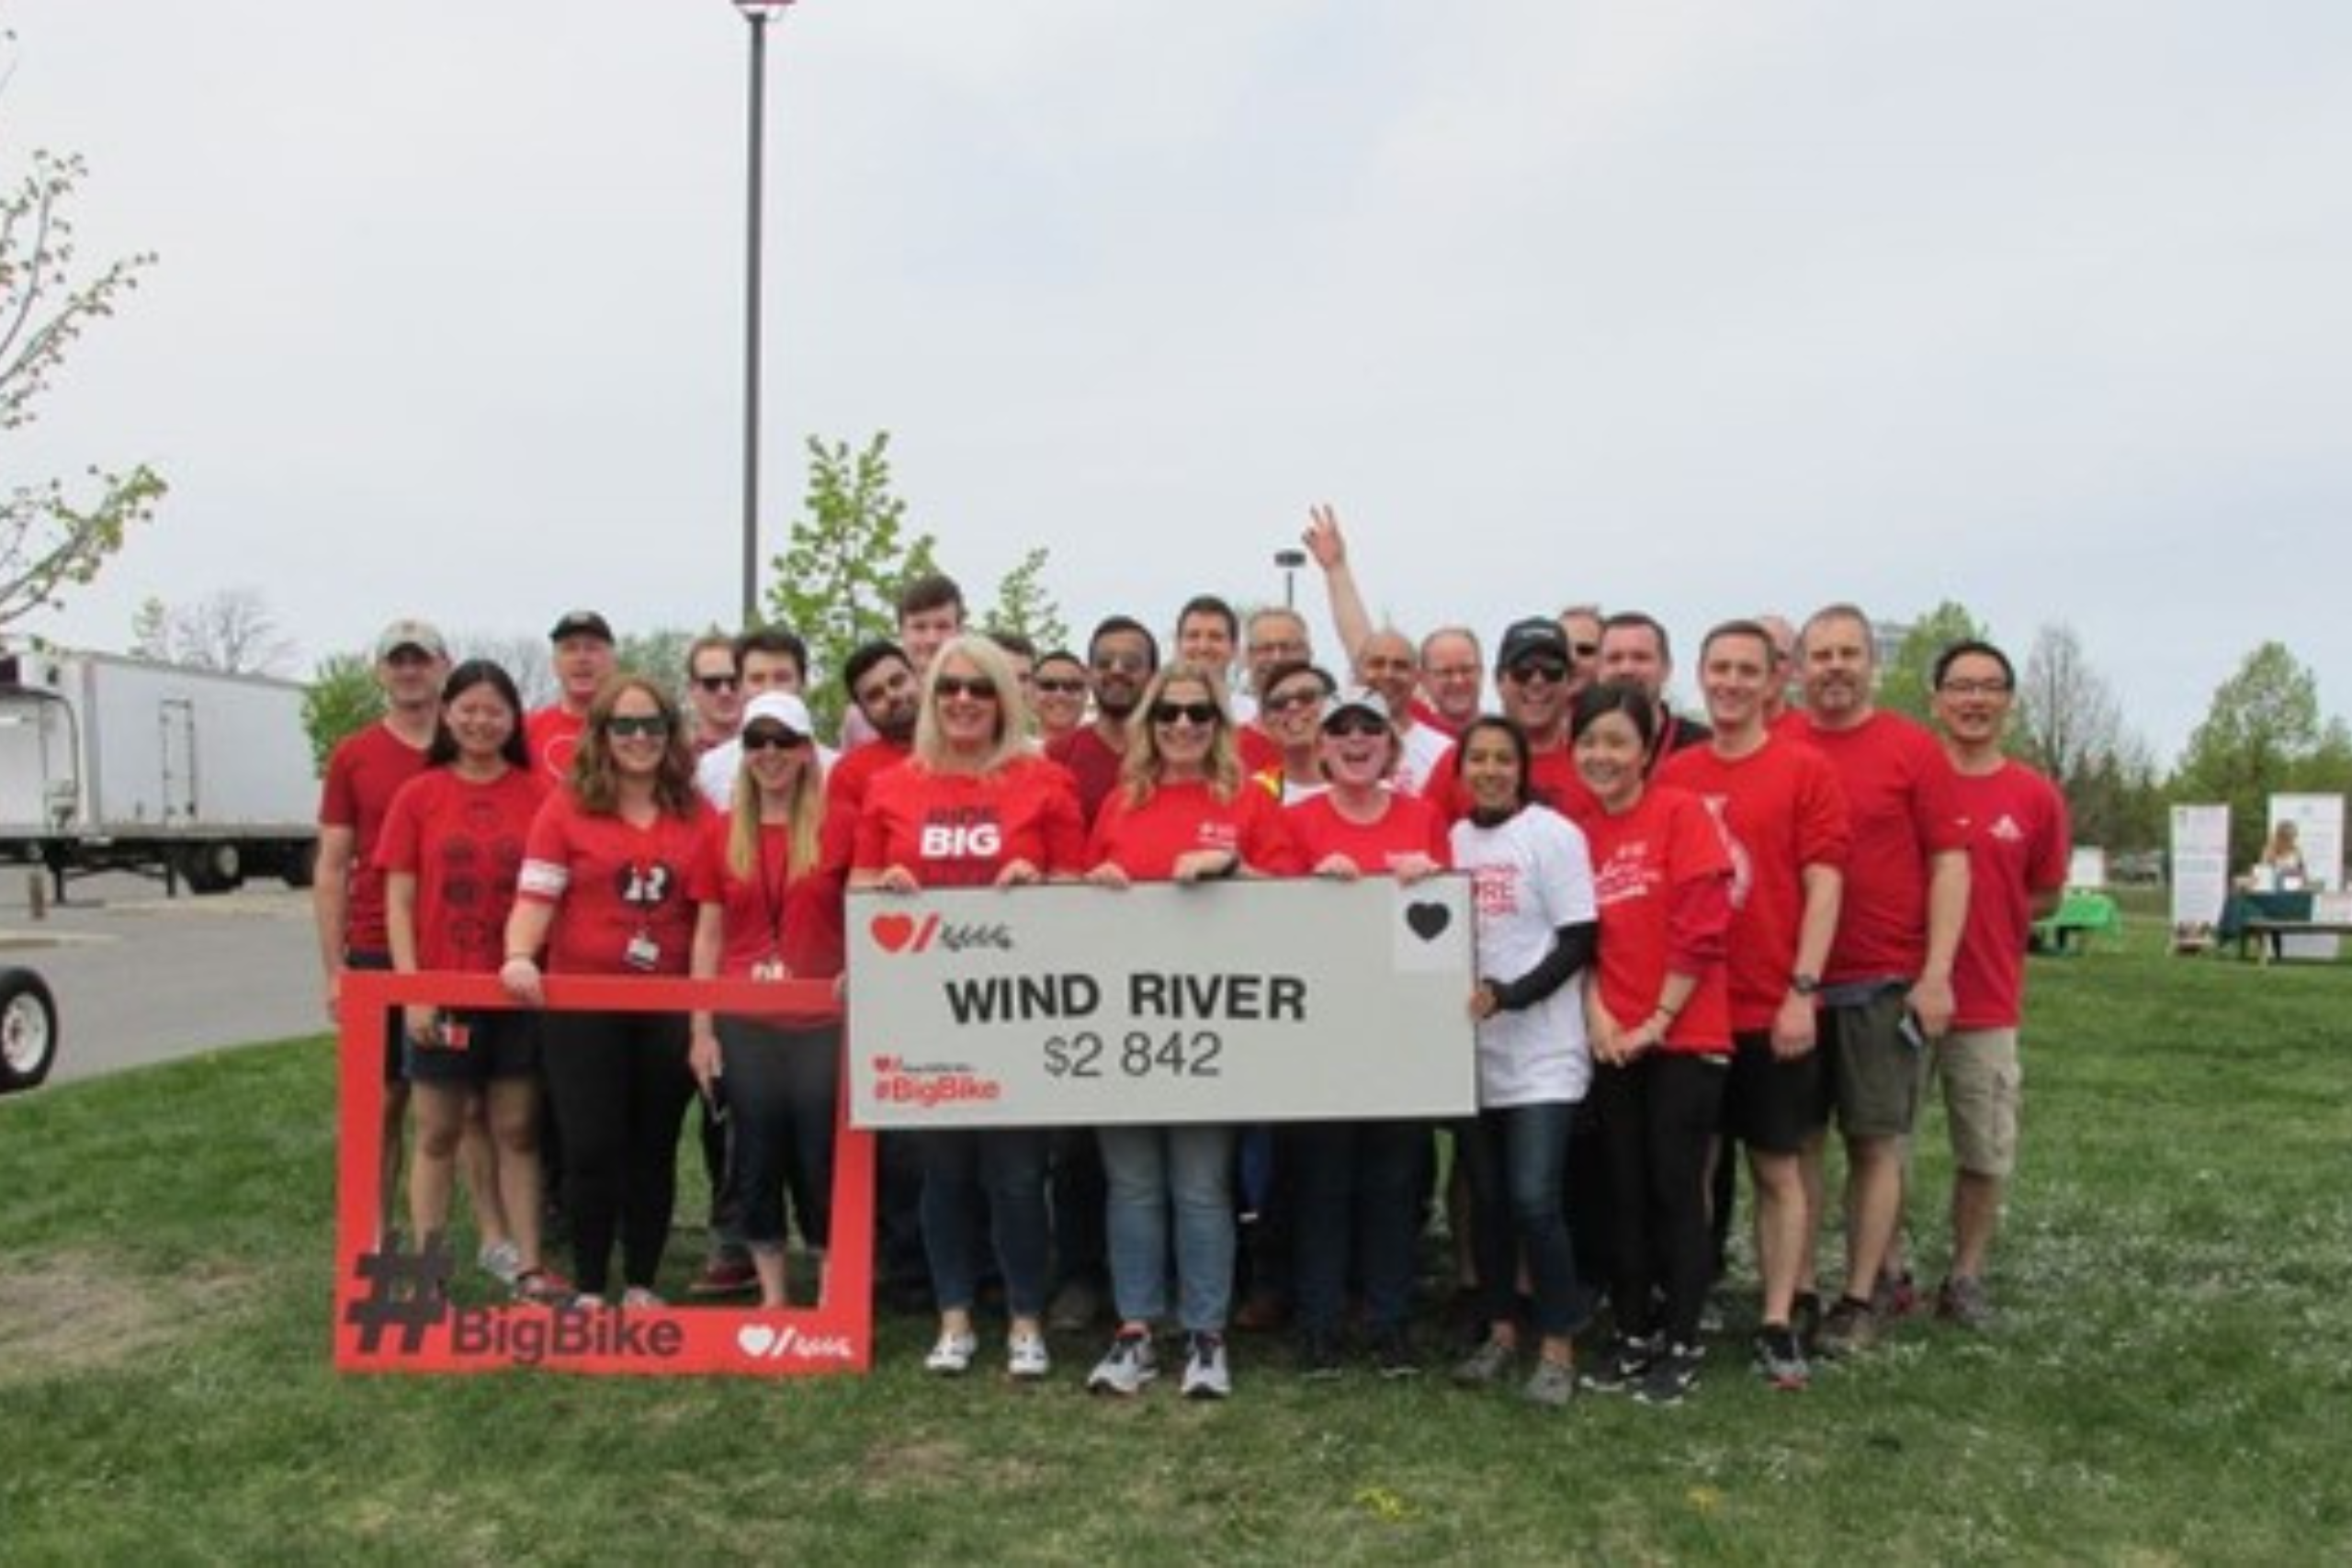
(1318, 1355)
(1780, 1359)
(1393, 1354)
(1623, 1365)
(1804, 1320)
(1673, 1372)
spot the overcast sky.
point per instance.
(1702, 309)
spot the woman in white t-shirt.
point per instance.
(1536, 920)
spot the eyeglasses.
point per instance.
(1451, 673)
(636, 726)
(772, 740)
(1060, 686)
(1974, 688)
(1290, 701)
(1121, 663)
(1192, 713)
(1549, 670)
(716, 683)
(1351, 722)
(980, 688)
(1280, 648)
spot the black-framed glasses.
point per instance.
(980, 688)
(636, 726)
(1549, 670)
(772, 740)
(1192, 713)
(1994, 688)
(716, 683)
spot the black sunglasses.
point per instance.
(772, 740)
(1195, 713)
(1061, 686)
(980, 688)
(623, 726)
(1350, 721)
(1546, 670)
(716, 683)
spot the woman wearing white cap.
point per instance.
(766, 912)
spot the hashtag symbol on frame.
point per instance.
(406, 1290)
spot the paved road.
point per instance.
(141, 979)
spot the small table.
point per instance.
(2249, 917)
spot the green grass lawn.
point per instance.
(2172, 1381)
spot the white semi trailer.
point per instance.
(113, 764)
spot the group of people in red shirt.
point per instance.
(1695, 941)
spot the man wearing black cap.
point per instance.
(583, 660)
(1533, 666)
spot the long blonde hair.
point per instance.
(1140, 772)
(804, 819)
(1012, 708)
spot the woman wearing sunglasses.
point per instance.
(1660, 1023)
(1183, 813)
(1291, 714)
(604, 889)
(766, 912)
(975, 806)
(1356, 1185)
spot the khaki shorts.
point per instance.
(1878, 1066)
(1983, 1086)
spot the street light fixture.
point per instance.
(755, 12)
(1290, 561)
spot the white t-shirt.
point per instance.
(1530, 877)
(1421, 749)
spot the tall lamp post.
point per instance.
(755, 12)
(1290, 561)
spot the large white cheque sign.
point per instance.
(1229, 1001)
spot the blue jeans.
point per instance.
(1515, 1157)
(1357, 1188)
(1151, 1170)
(1008, 1168)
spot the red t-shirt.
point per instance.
(1093, 766)
(1409, 826)
(1145, 841)
(610, 883)
(1551, 780)
(2018, 844)
(1781, 810)
(1900, 801)
(463, 843)
(961, 829)
(770, 915)
(1648, 871)
(846, 783)
(362, 775)
(552, 736)
(1424, 714)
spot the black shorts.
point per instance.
(473, 1048)
(1771, 1105)
(382, 963)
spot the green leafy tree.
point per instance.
(658, 656)
(2260, 736)
(54, 536)
(1903, 680)
(1024, 605)
(343, 699)
(837, 581)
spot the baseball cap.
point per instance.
(582, 623)
(1538, 637)
(1359, 699)
(779, 707)
(418, 635)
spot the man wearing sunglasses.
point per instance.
(1533, 671)
(1121, 658)
(714, 694)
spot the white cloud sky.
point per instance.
(1699, 308)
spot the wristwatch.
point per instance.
(1804, 985)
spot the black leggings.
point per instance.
(781, 1088)
(620, 1086)
(1655, 1119)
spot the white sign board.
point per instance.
(2086, 867)
(1229, 1001)
(2201, 867)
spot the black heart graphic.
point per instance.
(1427, 920)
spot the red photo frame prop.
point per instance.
(391, 1315)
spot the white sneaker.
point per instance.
(637, 1298)
(1206, 1376)
(1130, 1363)
(952, 1356)
(503, 1262)
(1025, 1357)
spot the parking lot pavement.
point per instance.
(142, 978)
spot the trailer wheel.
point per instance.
(298, 864)
(29, 1032)
(212, 868)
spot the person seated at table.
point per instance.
(2280, 869)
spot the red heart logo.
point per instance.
(893, 932)
(885, 1063)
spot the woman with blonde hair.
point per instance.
(975, 805)
(602, 889)
(768, 910)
